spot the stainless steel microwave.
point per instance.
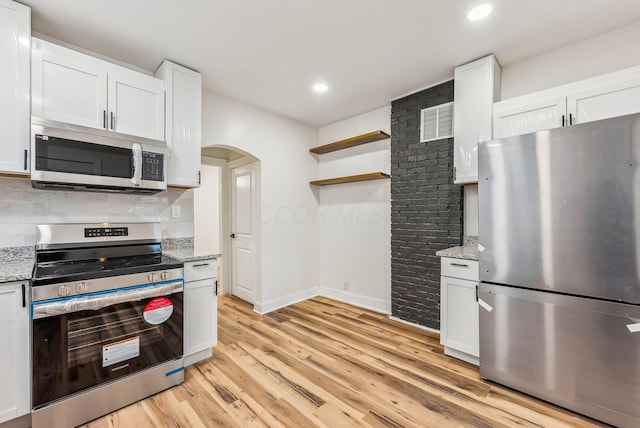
(70, 157)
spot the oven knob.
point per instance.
(81, 288)
(164, 276)
(63, 291)
(153, 277)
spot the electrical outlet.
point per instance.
(175, 211)
(346, 285)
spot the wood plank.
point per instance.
(350, 179)
(322, 363)
(350, 142)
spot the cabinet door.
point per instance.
(523, 119)
(68, 86)
(183, 123)
(609, 100)
(475, 87)
(15, 399)
(15, 48)
(200, 316)
(459, 325)
(136, 103)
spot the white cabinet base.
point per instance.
(198, 356)
(200, 310)
(462, 356)
(459, 317)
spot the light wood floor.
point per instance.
(328, 364)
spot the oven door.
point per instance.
(81, 342)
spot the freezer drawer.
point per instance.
(579, 353)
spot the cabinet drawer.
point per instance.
(202, 269)
(460, 268)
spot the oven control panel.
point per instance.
(97, 232)
(99, 285)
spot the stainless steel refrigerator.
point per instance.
(559, 241)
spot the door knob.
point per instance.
(233, 235)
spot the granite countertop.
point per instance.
(468, 251)
(17, 263)
(189, 254)
(184, 250)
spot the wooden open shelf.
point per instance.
(350, 142)
(351, 179)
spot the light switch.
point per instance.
(175, 211)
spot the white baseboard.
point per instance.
(432, 330)
(373, 304)
(286, 300)
(462, 356)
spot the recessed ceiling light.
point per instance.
(479, 12)
(320, 87)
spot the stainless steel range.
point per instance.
(107, 316)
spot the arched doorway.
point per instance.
(226, 210)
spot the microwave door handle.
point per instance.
(137, 164)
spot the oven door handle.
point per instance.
(99, 301)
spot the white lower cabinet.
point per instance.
(15, 400)
(459, 318)
(200, 310)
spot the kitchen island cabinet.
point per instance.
(200, 309)
(15, 393)
(15, 56)
(75, 88)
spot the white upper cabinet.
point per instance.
(15, 47)
(76, 88)
(601, 97)
(68, 86)
(512, 120)
(136, 104)
(611, 99)
(183, 123)
(476, 87)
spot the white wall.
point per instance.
(289, 227)
(206, 213)
(355, 218)
(602, 54)
(22, 207)
(471, 210)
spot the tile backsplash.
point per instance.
(22, 207)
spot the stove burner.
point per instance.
(64, 269)
(75, 268)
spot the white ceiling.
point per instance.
(269, 52)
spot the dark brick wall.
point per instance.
(426, 209)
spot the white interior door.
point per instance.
(243, 233)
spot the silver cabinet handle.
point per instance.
(113, 122)
(200, 265)
(459, 264)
